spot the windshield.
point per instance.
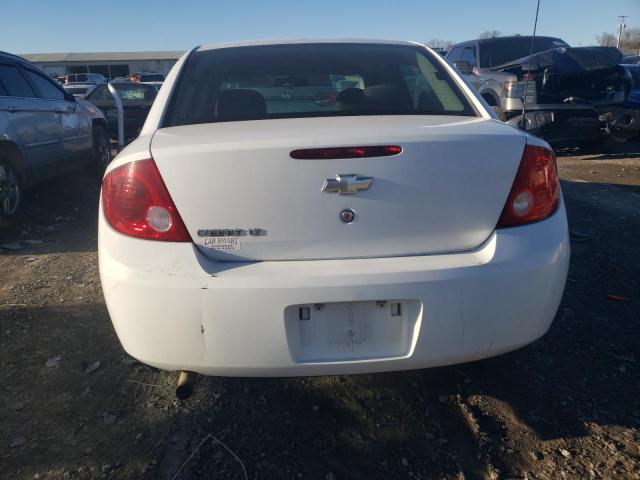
(312, 80)
(499, 51)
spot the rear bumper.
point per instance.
(562, 124)
(175, 309)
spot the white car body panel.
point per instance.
(176, 309)
(477, 293)
(422, 201)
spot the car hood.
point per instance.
(567, 60)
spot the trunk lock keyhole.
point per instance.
(347, 215)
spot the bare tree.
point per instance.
(437, 43)
(606, 39)
(490, 34)
(630, 39)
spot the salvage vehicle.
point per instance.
(569, 95)
(136, 99)
(44, 132)
(401, 226)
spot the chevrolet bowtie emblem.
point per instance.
(347, 184)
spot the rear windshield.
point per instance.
(499, 51)
(128, 92)
(312, 80)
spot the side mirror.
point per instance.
(463, 67)
(69, 97)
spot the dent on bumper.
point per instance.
(176, 309)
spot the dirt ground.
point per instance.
(567, 406)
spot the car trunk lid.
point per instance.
(243, 197)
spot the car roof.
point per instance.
(299, 41)
(509, 38)
(23, 61)
(15, 58)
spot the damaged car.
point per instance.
(565, 95)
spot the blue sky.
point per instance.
(38, 26)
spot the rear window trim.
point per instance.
(285, 116)
(454, 83)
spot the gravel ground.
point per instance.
(74, 405)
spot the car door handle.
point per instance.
(13, 109)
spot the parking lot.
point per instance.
(74, 405)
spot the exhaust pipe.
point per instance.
(186, 385)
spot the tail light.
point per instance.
(535, 192)
(520, 89)
(136, 202)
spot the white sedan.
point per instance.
(328, 207)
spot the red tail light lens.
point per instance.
(535, 192)
(136, 202)
(346, 152)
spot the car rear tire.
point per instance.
(11, 194)
(101, 147)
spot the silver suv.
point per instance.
(44, 132)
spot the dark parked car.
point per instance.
(633, 99)
(631, 60)
(137, 99)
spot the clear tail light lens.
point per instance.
(520, 89)
(535, 192)
(136, 202)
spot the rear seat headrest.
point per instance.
(388, 97)
(240, 103)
